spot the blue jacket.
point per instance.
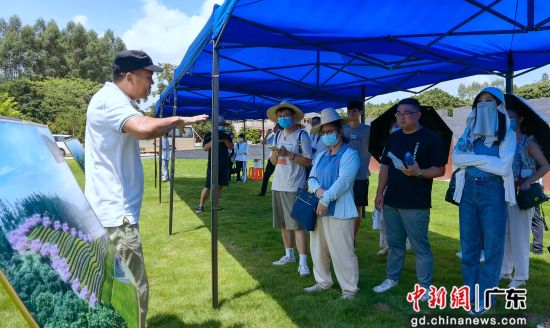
(342, 189)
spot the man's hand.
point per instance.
(379, 201)
(321, 210)
(194, 119)
(283, 152)
(411, 171)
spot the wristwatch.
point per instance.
(419, 175)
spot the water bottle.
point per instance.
(409, 161)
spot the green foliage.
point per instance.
(252, 135)
(534, 91)
(467, 93)
(60, 103)
(45, 50)
(439, 99)
(202, 128)
(8, 105)
(374, 110)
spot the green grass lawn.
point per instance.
(254, 293)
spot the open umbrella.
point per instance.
(379, 129)
(534, 123)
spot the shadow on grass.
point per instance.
(173, 321)
(245, 230)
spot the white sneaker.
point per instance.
(346, 296)
(516, 283)
(426, 296)
(303, 270)
(285, 260)
(385, 286)
(314, 289)
(505, 276)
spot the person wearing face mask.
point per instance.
(241, 156)
(331, 179)
(224, 174)
(291, 155)
(484, 187)
(358, 135)
(528, 157)
(317, 146)
(404, 194)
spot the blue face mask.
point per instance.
(513, 124)
(330, 139)
(285, 122)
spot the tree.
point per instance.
(439, 99)
(7, 106)
(534, 91)
(252, 135)
(468, 92)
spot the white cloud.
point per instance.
(6, 170)
(82, 19)
(164, 33)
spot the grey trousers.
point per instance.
(127, 241)
(411, 223)
(538, 231)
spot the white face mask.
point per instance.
(486, 120)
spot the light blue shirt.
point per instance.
(341, 190)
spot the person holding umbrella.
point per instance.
(404, 193)
(484, 186)
(527, 158)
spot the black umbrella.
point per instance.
(379, 129)
(533, 122)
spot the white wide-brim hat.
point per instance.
(328, 115)
(272, 111)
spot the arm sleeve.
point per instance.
(349, 165)
(312, 181)
(117, 114)
(306, 145)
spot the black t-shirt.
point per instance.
(407, 192)
(223, 152)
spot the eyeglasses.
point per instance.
(324, 133)
(404, 113)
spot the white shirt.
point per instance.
(290, 175)
(241, 151)
(114, 175)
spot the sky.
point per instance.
(165, 28)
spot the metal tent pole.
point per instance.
(510, 74)
(363, 96)
(173, 163)
(159, 174)
(155, 160)
(214, 172)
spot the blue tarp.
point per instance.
(324, 53)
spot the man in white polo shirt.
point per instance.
(114, 174)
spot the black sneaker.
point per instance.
(199, 210)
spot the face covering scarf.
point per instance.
(486, 120)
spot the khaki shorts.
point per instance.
(282, 202)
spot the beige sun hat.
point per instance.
(328, 115)
(272, 111)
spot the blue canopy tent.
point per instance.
(252, 53)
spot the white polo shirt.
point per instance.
(114, 175)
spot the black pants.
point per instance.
(239, 168)
(269, 169)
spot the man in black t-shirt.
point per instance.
(404, 193)
(224, 175)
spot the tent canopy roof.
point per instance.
(325, 53)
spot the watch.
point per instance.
(419, 175)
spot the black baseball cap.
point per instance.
(131, 60)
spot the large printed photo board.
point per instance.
(56, 260)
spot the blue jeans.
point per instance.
(482, 215)
(412, 223)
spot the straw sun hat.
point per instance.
(272, 111)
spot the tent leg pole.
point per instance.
(214, 173)
(172, 164)
(363, 96)
(155, 159)
(510, 74)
